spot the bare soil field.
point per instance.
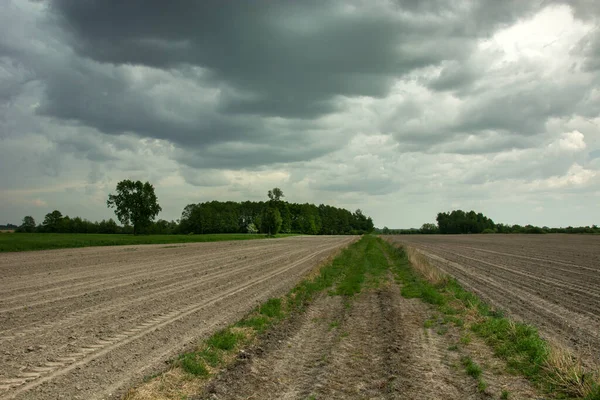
(552, 281)
(88, 323)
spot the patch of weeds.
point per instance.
(193, 364)
(413, 286)
(428, 323)
(334, 325)
(344, 334)
(466, 339)
(453, 347)
(442, 330)
(271, 308)
(211, 356)
(454, 320)
(519, 344)
(481, 385)
(594, 393)
(471, 367)
(448, 310)
(259, 323)
(224, 340)
(505, 395)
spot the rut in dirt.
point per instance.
(373, 348)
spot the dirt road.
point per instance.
(374, 347)
(552, 281)
(88, 323)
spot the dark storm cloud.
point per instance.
(287, 59)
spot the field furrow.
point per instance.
(95, 337)
(552, 281)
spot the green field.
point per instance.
(45, 241)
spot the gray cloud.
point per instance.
(401, 108)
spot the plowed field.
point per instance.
(552, 281)
(88, 323)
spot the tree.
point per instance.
(271, 221)
(429, 228)
(28, 225)
(276, 194)
(53, 221)
(135, 203)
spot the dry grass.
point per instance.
(177, 383)
(421, 263)
(172, 384)
(566, 372)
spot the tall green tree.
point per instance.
(28, 224)
(276, 194)
(135, 203)
(271, 221)
(53, 221)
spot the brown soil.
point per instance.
(88, 323)
(375, 349)
(552, 281)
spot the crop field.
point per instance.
(87, 323)
(552, 281)
(48, 241)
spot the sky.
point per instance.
(400, 108)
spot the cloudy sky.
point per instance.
(400, 108)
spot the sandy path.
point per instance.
(552, 281)
(87, 323)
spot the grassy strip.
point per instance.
(11, 242)
(220, 349)
(348, 270)
(519, 344)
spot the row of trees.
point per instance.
(271, 217)
(55, 222)
(459, 221)
(136, 206)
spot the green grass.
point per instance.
(505, 395)
(224, 340)
(193, 364)
(10, 242)
(271, 308)
(471, 368)
(413, 286)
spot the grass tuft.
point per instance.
(471, 367)
(193, 364)
(224, 340)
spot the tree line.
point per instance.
(136, 206)
(461, 222)
(272, 217)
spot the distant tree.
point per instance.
(429, 229)
(271, 221)
(276, 194)
(386, 230)
(28, 224)
(135, 203)
(53, 221)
